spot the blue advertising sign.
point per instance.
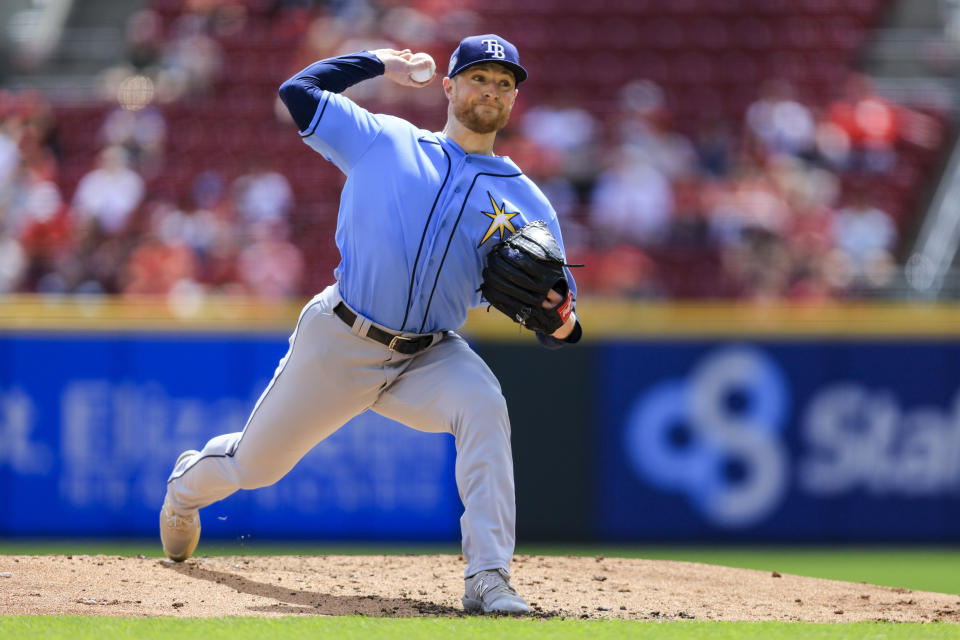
(799, 440)
(90, 426)
(779, 441)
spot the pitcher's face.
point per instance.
(482, 96)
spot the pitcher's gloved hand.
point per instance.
(521, 270)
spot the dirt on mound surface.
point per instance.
(431, 585)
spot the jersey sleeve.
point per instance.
(549, 341)
(554, 226)
(331, 124)
(341, 130)
(555, 343)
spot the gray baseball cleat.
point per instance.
(490, 592)
(179, 533)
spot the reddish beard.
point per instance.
(489, 123)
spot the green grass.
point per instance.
(349, 627)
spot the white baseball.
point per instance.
(422, 75)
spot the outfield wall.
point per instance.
(668, 423)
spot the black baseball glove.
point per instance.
(520, 271)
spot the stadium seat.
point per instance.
(710, 56)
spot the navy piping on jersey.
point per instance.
(413, 273)
(466, 198)
(233, 452)
(326, 99)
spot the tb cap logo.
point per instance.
(488, 47)
(495, 49)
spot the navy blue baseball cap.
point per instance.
(486, 48)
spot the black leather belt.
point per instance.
(400, 344)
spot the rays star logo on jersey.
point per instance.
(499, 219)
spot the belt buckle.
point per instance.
(393, 343)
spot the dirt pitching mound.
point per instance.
(431, 585)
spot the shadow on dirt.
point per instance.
(299, 601)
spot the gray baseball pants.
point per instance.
(331, 373)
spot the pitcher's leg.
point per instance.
(484, 473)
(449, 389)
(324, 380)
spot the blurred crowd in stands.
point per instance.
(777, 203)
(110, 236)
(783, 198)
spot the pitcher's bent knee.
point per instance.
(259, 478)
(482, 413)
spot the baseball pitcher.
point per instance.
(430, 225)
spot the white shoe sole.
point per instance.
(476, 606)
(192, 543)
(191, 547)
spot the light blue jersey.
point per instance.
(417, 215)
